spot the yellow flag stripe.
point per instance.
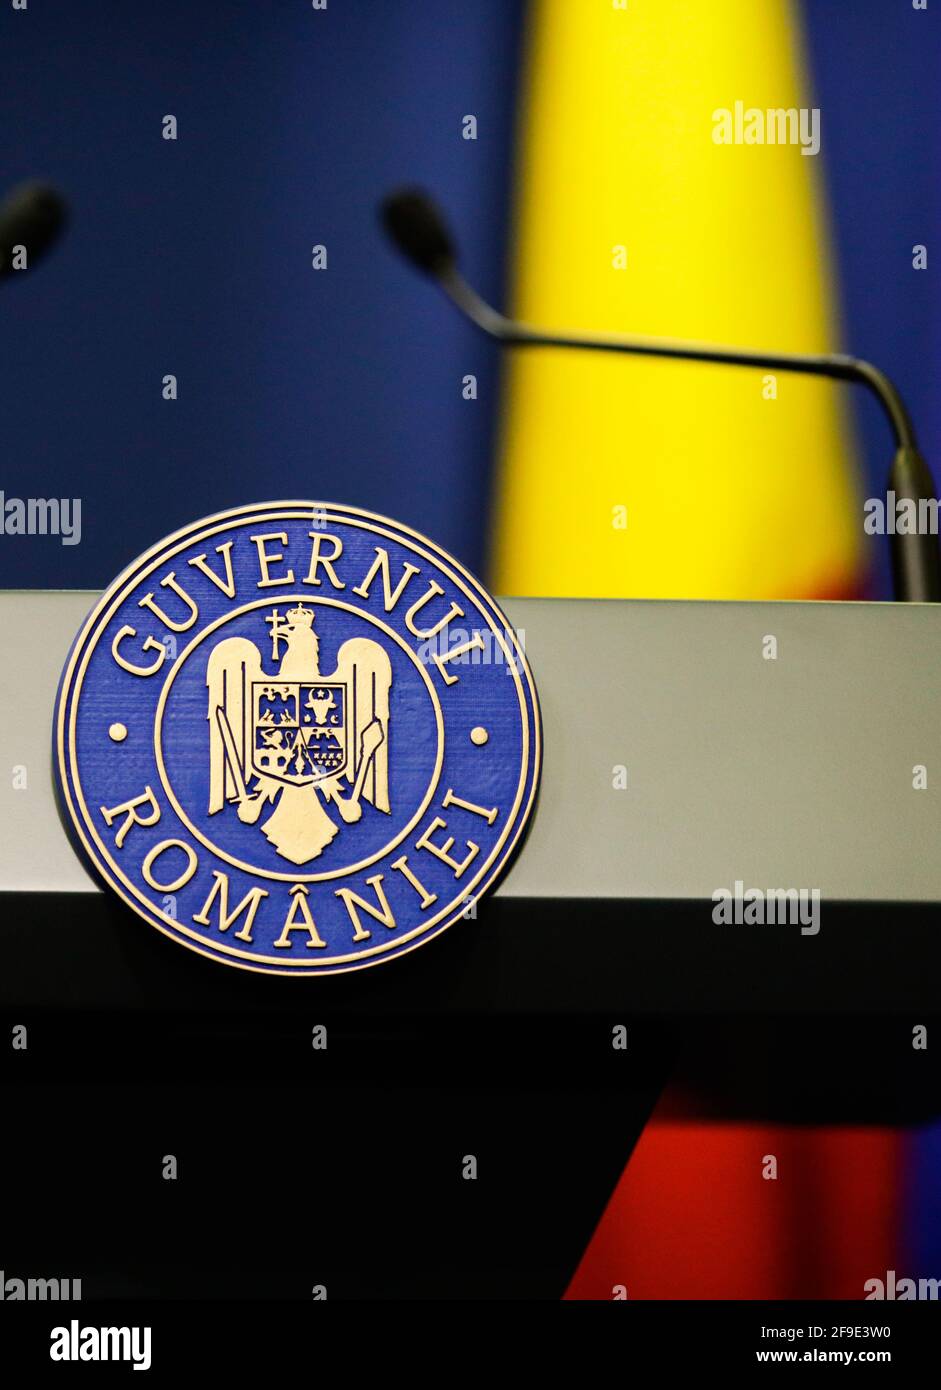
(626, 477)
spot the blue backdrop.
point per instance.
(876, 69)
(193, 257)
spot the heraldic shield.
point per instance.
(299, 731)
(287, 740)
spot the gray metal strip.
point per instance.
(794, 772)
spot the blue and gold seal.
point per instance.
(297, 738)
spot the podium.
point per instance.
(680, 758)
(689, 746)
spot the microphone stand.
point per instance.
(916, 563)
(419, 232)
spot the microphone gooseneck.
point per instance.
(421, 234)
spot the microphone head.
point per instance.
(32, 215)
(417, 228)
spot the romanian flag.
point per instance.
(625, 477)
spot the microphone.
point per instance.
(31, 216)
(418, 230)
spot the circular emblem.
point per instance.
(298, 738)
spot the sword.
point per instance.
(349, 807)
(249, 807)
